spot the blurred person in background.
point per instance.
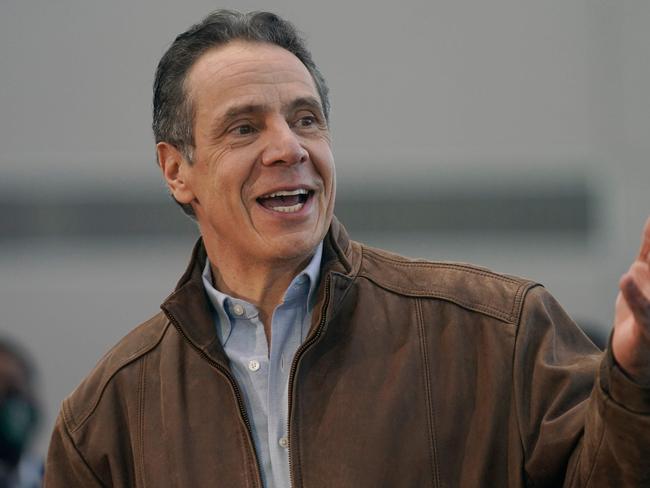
(290, 355)
(18, 419)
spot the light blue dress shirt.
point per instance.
(263, 373)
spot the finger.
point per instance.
(639, 272)
(644, 251)
(638, 303)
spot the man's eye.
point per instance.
(307, 121)
(243, 130)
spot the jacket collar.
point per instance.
(338, 253)
(188, 307)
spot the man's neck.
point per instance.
(261, 284)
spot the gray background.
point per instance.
(513, 134)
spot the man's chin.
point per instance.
(293, 245)
(290, 251)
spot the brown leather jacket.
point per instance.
(414, 374)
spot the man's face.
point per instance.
(262, 183)
(13, 378)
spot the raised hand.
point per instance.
(631, 341)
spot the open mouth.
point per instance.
(286, 201)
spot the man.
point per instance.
(18, 419)
(289, 355)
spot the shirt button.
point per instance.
(238, 309)
(284, 442)
(253, 365)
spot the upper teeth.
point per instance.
(286, 193)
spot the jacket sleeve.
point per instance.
(583, 423)
(65, 466)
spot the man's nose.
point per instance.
(283, 146)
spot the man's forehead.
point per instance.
(250, 76)
(239, 59)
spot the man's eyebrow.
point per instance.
(235, 111)
(249, 108)
(253, 108)
(305, 102)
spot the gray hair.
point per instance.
(173, 111)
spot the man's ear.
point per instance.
(175, 168)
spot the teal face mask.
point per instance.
(18, 418)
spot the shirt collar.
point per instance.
(306, 279)
(303, 286)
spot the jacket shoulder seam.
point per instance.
(67, 432)
(144, 349)
(509, 316)
(437, 293)
(403, 262)
(520, 297)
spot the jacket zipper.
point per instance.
(294, 365)
(233, 383)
